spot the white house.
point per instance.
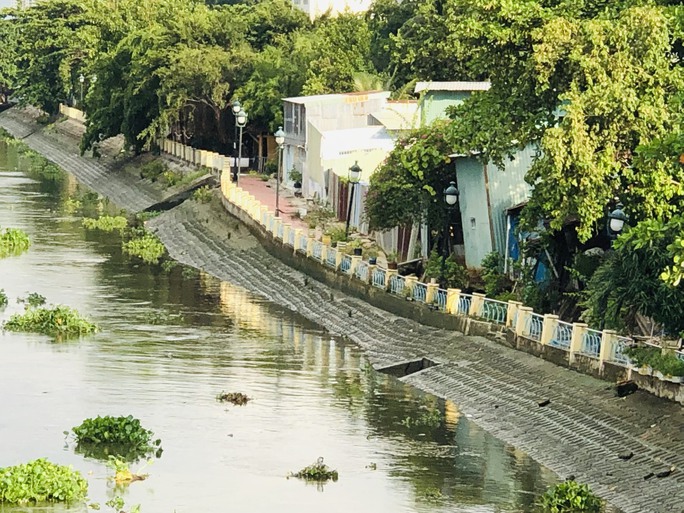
(316, 8)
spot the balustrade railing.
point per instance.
(303, 243)
(464, 302)
(397, 284)
(680, 355)
(379, 278)
(441, 299)
(281, 231)
(420, 292)
(317, 250)
(562, 335)
(362, 271)
(494, 311)
(345, 264)
(533, 326)
(291, 238)
(331, 257)
(619, 348)
(591, 343)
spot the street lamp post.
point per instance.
(81, 79)
(241, 121)
(354, 177)
(279, 139)
(616, 221)
(450, 199)
(236, 108)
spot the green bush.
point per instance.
(152, 170)
(455, 275)
(122, 436)
(203, 194)
(570, 497)
(665, 362)
(13, 242)
(57, 321)
(146, 247)
(41, 481)
(495, 282)
(106, 223)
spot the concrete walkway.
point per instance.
(581, 432)
(265, 193)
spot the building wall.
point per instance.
(477, 236)
(316, 8)
(435, 103)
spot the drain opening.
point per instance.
(400, 370)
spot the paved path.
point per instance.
(580, 433)
(264, 192)
(122, 188)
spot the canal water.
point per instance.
(171, 341)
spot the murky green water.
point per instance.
(171, 342)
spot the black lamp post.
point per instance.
(354, 177)
(240, 121)
(450, 199)
(81, 79)
(235, 108)
(279, 139)
(616, 222)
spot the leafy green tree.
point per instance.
(8, 52)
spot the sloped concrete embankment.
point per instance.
(582, 431)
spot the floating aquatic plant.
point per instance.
(123, 437)
(317, 471)
(13, 242)
(236, 398)
(41, 481)
(106, 223)
(58, 321)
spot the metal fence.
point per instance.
(331, 257)
(464, 301)
(317, 251)
(494, 311)
(420, 292)
(533, 327)
(291, 238)
(281, 231)
(362, 271)
(619, 349)
(562, 335)
(591, 343)
(397, 284)
(303, 243)
(379, 278)
(345, 264)
(441, 299)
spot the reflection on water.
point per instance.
(171, 341)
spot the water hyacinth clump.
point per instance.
(570, 497)
(13, 242)
(236, 398)
(122, 436)
(318, 471)
(41, 481)
(57, 321)
(146, 247)
(106, 224)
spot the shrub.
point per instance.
(58, 321)
(124, 436)
(106, 223)
(202, 194)
(570, 497)
(495, 282)
(146, 247)
(13, 242)
(152, 170)
(41, 481)
(665, 362)
(3, 298)
(455, 275)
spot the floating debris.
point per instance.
(318, 471)
(236, 398)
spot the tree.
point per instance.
(8, 53)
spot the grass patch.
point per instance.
(41, 481)
(58, 321)
(13, 242)
(123, 437)
(236, 398)
(106, 223)
(318, 471)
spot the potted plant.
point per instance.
(296, 177)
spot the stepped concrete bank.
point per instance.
(581, 432)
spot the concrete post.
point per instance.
(276, 226)
(548, 328)
(524, 313)
(608, 341)
(355, 259)
(578, 330)
(297, 238)
(453, 296)
(263, 209)
(476, 304)
(309, 247)
(512, 312)
(326, 240)
(324, 252)
(431, 294)
(338, 257)
(286, 232)
(410, 283)
(388, 274)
